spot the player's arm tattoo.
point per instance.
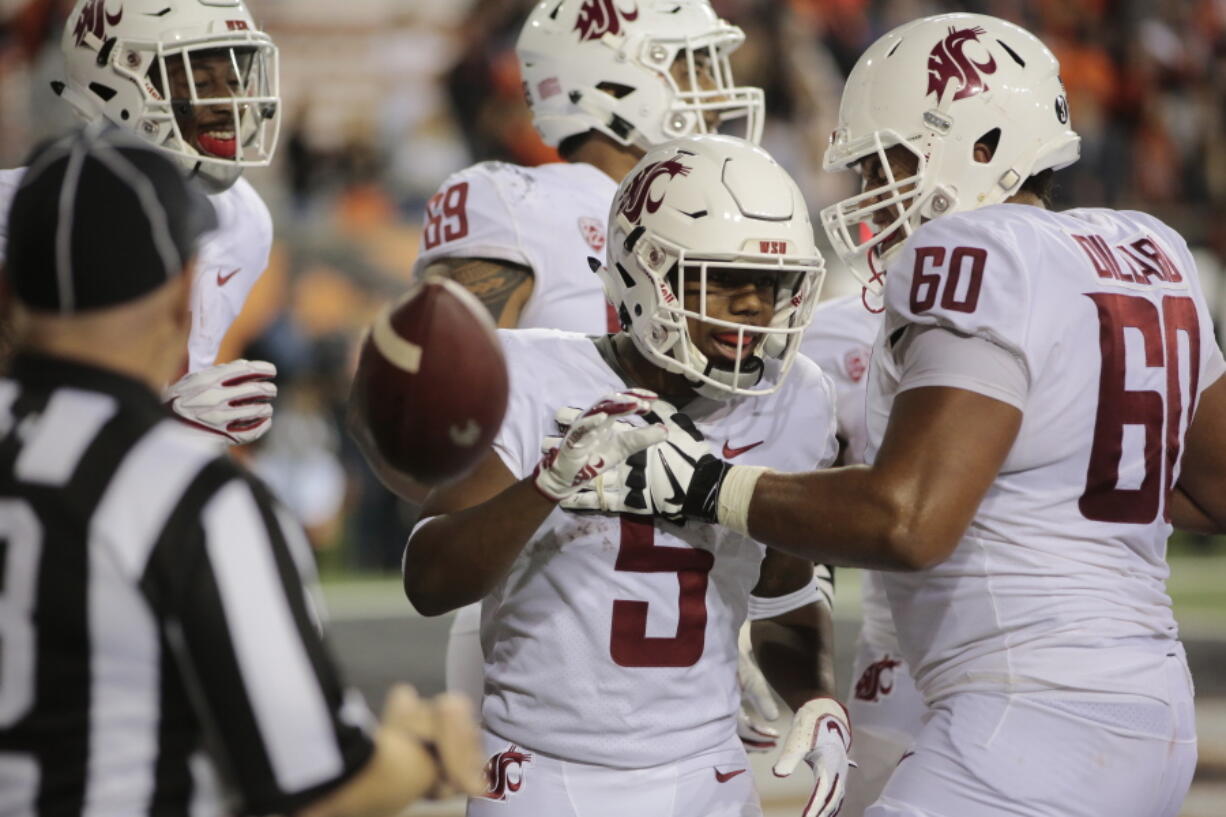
(501, 285)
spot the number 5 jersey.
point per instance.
(613, 640)
(1103, 316)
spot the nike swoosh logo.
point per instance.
(678, 497)
(724, 777)
(222, 280)
(730, 452)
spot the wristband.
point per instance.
(735, 494)
(761, 607)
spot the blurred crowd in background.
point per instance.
(384, 98)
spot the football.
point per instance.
(431, 384)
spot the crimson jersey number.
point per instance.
(629, 643)
(447, 216)
(933, 278)
(1154, 411)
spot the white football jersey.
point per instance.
(613, 641)
(840, 340)
(1066, 554)
(549, 218)
(228, 262)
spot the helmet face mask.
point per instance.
(697, 221)
(937, 87)
(200, 81)
(641, 75)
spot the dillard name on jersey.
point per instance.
(1142, 261)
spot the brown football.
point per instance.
(431, 384)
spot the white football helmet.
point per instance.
(606, 65)
(699, 204)
(937, 86)
(117, 55)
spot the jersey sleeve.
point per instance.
(246, 638)
(968, 274)
(473, 215)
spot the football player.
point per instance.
(610, 641)
(605, 84)
(1045, 401)
(198, 79)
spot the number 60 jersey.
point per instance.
(613, 641)
(1104, 314)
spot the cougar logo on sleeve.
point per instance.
(947, 61)
(505, 772)
(94, 19)
(600, 17)
(637, 195)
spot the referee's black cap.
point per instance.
(100, 218)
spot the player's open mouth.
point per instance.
(734, 345)
(220, 143)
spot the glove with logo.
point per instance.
(820, 735)
(617, 490)
(677, 479)
(758, 707)
(595, 441)
(232, 400)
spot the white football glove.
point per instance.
(676, 479)
(820, 735)
(233, 400)
(595, 441)
(758, 707)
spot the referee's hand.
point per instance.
(446, 727)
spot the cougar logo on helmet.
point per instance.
(637, 195)
(600, 17)
(94, 19)
(947, 61)
(505, 772)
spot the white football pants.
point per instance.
(886, 712)
(524, 783)
(1051, 754)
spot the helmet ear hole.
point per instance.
(103, 92)
(990, 140)
(615, 89)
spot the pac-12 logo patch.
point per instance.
(593, 233)
(505, 772)
(855, 363)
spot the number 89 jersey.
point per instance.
(549, 218)
(613, 640)
(1105, 314)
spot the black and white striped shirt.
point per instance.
(158, 652)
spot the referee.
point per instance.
(158, 652)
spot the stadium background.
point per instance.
(383, 98)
